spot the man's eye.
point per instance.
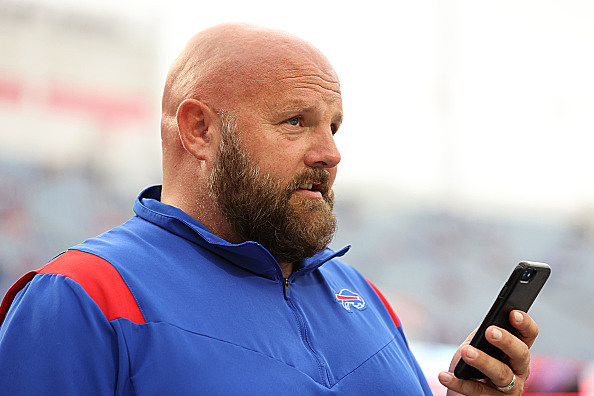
(293, 121)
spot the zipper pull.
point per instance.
(286, 288)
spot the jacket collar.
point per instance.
(249, 255)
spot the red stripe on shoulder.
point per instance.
(102, 282)
(386, 304)
(12, 292)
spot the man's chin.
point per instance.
(307, 207)
(313, 215)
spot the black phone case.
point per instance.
(515, 294)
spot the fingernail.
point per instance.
(472, 353)
(445, 377)
(496, 334)
(518, 317)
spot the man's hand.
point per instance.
(499, 374)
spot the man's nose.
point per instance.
(323, 152)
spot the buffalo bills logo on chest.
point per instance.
(349, 300)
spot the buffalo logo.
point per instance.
(350, 299)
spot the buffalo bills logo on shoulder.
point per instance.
(350, 299)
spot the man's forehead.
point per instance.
(291, 85)
(281, 64)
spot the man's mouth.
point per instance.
(309, 187)
(312, 190)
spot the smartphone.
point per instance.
(519, 292)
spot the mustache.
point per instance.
(321, 177)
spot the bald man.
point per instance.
(223, 283)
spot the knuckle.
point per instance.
(530, 328)
(519, 388)
(471, 388)
(536, 330)
(502, 376)
(525, 353)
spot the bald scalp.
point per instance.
(228, 64)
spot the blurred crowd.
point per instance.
(43, 211)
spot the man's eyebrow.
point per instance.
(298, 108)
(306, 108)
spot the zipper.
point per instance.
(303, 331)
(286, 290)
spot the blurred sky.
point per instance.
(463, 103)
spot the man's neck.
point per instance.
(287, 269)
(201, 207)
(206, 212)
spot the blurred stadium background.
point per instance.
(466, 148)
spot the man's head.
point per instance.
(249, 116)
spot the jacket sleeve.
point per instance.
(55, 340)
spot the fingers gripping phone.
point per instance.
(519, 292)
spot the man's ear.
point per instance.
(198, 128)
